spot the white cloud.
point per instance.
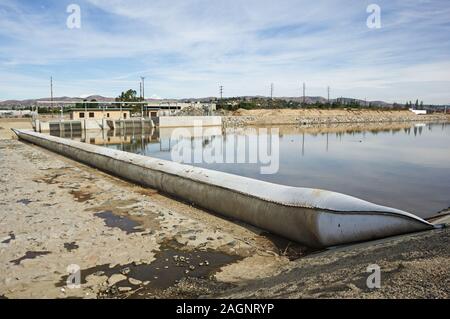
(186, 48)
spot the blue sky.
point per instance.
(188, 48)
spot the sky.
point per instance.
(188, 48)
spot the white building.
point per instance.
(419, 112)
(155, 109)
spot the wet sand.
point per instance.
(133, 242)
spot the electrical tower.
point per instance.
(221, 91)
(271, 90)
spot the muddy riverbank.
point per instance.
(128, 241)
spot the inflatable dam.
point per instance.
(313, 217)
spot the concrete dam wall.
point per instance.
(316, 218)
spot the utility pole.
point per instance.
(51, 92)
(304, 93)
(143, 87)
(271, 90)
(143, 95)
(328, 92)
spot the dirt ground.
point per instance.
(323, 113)
(413, 266)
(245, 118)
(7, 124)
(128, 241)
(132, 242)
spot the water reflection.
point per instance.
(401, 165)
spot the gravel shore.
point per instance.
(303, 117)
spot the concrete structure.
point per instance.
(98, 114)
(155, 109)
(110, 123)
(316, 218)
(86, 124)
(189, 121)
(130, 123)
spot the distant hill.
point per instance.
(309, 100)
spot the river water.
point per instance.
(403, 165)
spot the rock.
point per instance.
(232, 243)
(114, 279)
(99, 273)
(135, 282)
(124, 289)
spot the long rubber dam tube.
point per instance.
(313, 217)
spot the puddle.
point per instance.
(127, 208)
(171, 266)
(11, 238)
(81, 196)
(25, 202)
(71, 246)
(29, 255)
(116, 221)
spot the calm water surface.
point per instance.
(406, 166)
